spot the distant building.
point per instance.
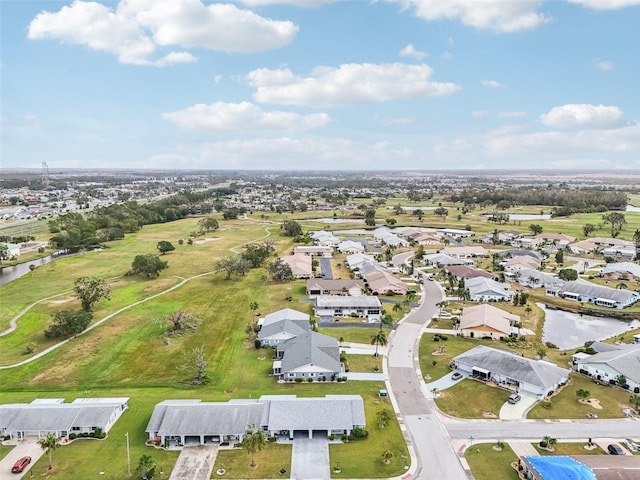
(485, 320)
(328, 307)
(583, 291)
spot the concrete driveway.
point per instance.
(310, 457)
(445, 382)
(27, 447)
(195, 463)
(520, 409)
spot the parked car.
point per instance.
(20, 464)
(615, 449)
(514, 398)
(456, 376)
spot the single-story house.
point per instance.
(321, 286)
(385, 237)
(466, 272)
(350, 247)
(357, 260)
(583, 291)
(383, 283)
(313, 250)
(324, 238)
(486, 290)
(512, 371)
(310, 356)
(535, 278)
(557, 238)
(554, 468)
(301, 265)
(485, 320)
(444, 260)
(607, 366)
(521, 262)
(182, 422)
(621, 271)
(363, 306)
(465, 252)
(280, 326)
(519, 252)
(618, 252)
(454, 233)
(52, 415)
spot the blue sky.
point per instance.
(321, 84)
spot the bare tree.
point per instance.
(196, 364)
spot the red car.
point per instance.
(20, 465)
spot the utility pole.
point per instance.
(128, 456)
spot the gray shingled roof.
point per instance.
(52, 417)
(284, 327)
(534, 372)
(189, 418)
(333, 301)
(583, 287)
(465, 271)
(311, 348)
(276, 412)
(625, 359)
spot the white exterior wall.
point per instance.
(605, 372)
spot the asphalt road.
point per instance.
(427, 435)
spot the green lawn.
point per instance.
(364, 363)
(489, 464)
(565, 404)
(4, 450)
(270, 461)
(572, 448)
(472, 399)
(353, 335)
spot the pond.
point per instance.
(631, 208)
(570, 330)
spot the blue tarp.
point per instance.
(560, 468)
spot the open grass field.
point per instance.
(565, 404)
(489, 464)
(352, 335)
(130, 356)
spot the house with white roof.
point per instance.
(487, 290)
(328, 307)
(313, 250)
(53, 415)
(324, 238)
(175, 423)
(583, 291)
(350, 247)
(385, 237)
(512, 370)
(535, 278)
(444, 260)
(357, 260)
(607, 366)
(487, 321)
(322, 286)
(465, 252)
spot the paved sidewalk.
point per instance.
(379, 377)
(522, 449)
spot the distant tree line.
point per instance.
(566, 201)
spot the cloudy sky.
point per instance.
(320, 84)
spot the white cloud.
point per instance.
(135, 29)
(511, 114)
(295, 3)
(348, 84)
(480, 113)
(410, 51)
(286, 153)
(606, 4)
(503, 16)
(217, 78)
(446, 55)
(242, 117)
(491, 83)
(582, 115)
(604, 65)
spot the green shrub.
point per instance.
(299, 380)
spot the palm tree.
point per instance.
(254, 441)
(386, 455)
(441, 305)
(582, 393)
(378, 338)
(398, 307)
(621, 286)
(635, 401)
(386, 321)
(408, 299)
(253, 306)
(636, 240)
(49, 444)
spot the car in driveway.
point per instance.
(514, 398)
(456, 376)
(20, 464)
(615, 449)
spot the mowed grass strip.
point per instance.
(364, 363)
(4, 450)
(567, 448)
(489, 464)
(353, 334)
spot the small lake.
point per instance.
(525, 216)
(570, 330)
(631, 208)
(336, 220)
